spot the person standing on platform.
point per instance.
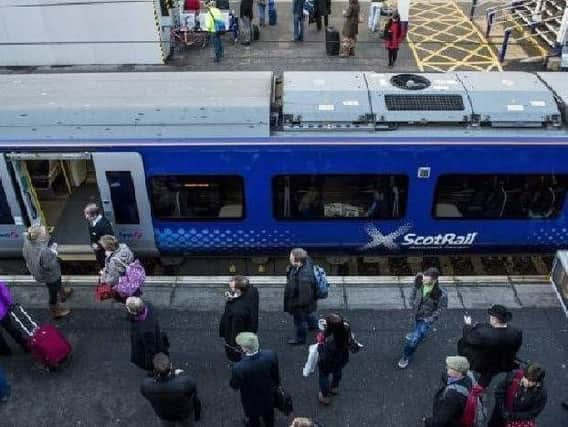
(519, 398)
(300, 294)
(256, 376)
(117, 258)
(298, 19)
(491, 347)
(246, 17)
(241, 314)
(146, 338)
(6, 303)
(393, 35)
(41, 259)
(261, 7)
(214, 14)
(172, 394)
(322, 11)
(374, 21)
(427, 299)
(98, 227)
(451, 398)
(350, 29)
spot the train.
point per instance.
(363, 163)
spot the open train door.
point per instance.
(122, 186)
(12, 225)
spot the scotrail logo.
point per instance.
(378, 239)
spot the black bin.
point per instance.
(332, 41)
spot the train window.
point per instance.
(5, 211)
(197, 197)
(500, 196)
(123, 197)
(339, 196)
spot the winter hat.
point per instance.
(501, 313)
(248, 341)
(432, 272)
(458, 363)
(134, 305)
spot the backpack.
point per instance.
(132, 280)
(322, 285)
(219, 24)
(475, 410)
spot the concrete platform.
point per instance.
(100, 387)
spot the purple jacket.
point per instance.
(5, 300)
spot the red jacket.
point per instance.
(191, 5)
(396, 34)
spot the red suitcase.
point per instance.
(47, 345)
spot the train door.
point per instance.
(122, 185)
(12, 225)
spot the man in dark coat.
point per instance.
(146, 339)
(99, 226)
(322, 10)
(428, 300)
(450, 399)
(256, 376)
(491, 347)
(241, 314)
(246, 17)
(300, 294)
(172, 394)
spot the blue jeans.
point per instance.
(261, 13)
(298, 22)
(324, 381)
(416, 337)
(300, 321)
(217, 46)
(4, 386)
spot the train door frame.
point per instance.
(138, 235)
(11, 235)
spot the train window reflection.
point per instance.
(500, 196)
(5, 212)
(339, 196)
(123, 197)
(197, 197)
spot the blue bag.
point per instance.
(322, 284)
(219, 24)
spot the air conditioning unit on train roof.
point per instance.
(510, 99)
(418, 98)
(325, 101)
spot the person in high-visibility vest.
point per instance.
(214, 14)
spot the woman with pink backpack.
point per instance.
(122, 272)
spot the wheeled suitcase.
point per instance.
(332, 41)
(47, 345)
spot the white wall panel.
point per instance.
(97, 32)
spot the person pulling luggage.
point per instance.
(6, 322)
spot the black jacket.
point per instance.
(102, 228)
(241, 315)
(300, 291)
(246, 9)
(172, 397)
(528, 403)
(428, 308)
(331, 358)
(488, 349)
(257, 377)
(449, 405)
(146, 340)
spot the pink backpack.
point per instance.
(132, 280)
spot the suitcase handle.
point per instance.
(29, 332)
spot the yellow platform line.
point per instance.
(454, 19)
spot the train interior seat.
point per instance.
(447, 210)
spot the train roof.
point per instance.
(229, 106)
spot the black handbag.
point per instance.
(283, 401)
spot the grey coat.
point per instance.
(428, 308)
(41, 261)
(115, 264)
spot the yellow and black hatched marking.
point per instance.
(442, 38)
(158, 26)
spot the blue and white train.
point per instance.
(250, 163)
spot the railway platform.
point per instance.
(373, 393)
